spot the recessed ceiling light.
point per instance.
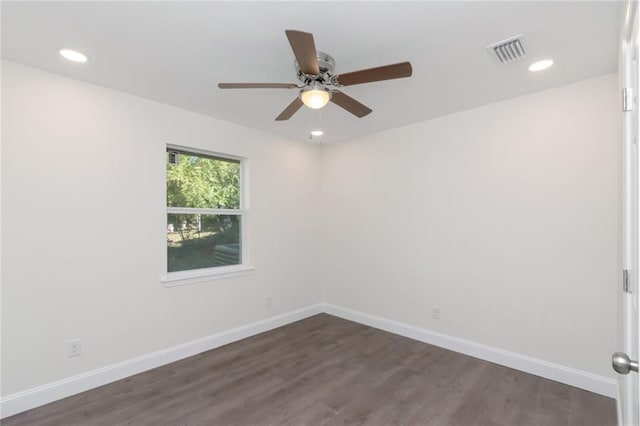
(540, 65)
(73, 55)
(317, 133)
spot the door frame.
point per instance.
(629, 327)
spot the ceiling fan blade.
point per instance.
(304, 50)
(386, 72)
(257, 86)
(290, 110)
(350, 104)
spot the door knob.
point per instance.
(622, 364)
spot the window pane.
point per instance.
(196, 241)
(202, 182)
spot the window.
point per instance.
(205, 217)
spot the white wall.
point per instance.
(505, 216)
(83, 228)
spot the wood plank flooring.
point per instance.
(328, 371)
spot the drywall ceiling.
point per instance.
(176, 53)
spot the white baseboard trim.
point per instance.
(548, 370)
(35, 397)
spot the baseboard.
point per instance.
(35, 397)
(548, 370)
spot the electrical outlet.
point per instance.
(268, 302)
(74, 348)
(435, 312)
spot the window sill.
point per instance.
(174, 279)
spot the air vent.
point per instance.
(509, 50)
(173, 157)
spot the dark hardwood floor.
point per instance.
(325, 370)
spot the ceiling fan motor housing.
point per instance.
(326, 63)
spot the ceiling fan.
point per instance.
(315, 71)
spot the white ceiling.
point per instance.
(176, 53)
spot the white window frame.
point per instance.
(178, 278)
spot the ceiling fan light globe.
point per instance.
(315, 98)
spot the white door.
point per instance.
(625, 361)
